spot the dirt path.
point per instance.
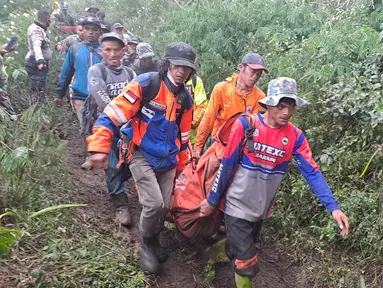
(182, 269)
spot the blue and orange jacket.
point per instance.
(153, 129)
(257, 178)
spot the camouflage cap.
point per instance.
(282, 87)
(116, 26)
(113, 36)
(182, 54)
(144, 50)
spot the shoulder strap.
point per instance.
(194, 80)
(249, 133)
(129, 71)
(94, 52)
(103, 69)
(150, 91)
(182, 99)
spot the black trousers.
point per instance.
(37, 81)
(242, 235)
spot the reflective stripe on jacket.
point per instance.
(153, 129)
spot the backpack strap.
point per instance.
(103, 70)
(150, 91)
(249, 133)
(194, 80)
(129, 71)
(94, 52)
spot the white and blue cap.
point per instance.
(279, 88)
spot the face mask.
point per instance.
(170, 77)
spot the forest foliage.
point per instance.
(334, 51)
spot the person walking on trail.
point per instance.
(106, 81)
(91, 12)
(196, 88)
(237, 93)
(39, 54)
(270, 142)
(105, 26)
(145, 62)
(63, 17)
(159, 114)
(118, 28)
(63, 46)
(79, 59)
(131, 53)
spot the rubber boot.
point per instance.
(86, 165)
(242, 281)
(120, 203)
(218, 253)
(148, 258)
(161, 253)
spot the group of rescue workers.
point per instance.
(136, 109)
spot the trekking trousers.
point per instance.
(242, 235)
(154, 191)
(114, 177)
(37, 82)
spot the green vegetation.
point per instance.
(332, 48)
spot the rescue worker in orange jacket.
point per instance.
(159, 127)
(237, 93)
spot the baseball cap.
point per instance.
(180, 53)
(254, 61)
(279, 88)
(92, 10)
(91, 20)
(105, 27)
(134, 40)
(64, 6)
(144, 50)
(117, 25)
(113, 36)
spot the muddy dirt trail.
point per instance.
(183, 268)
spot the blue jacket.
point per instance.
(77, 61)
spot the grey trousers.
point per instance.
(154, 191)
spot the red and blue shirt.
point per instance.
(256, 176)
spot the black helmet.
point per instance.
(180, 53)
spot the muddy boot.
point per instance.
(161, 253)
(219, 252)
(86, 165)
(120, 203)
(148, 258)
(242, 281)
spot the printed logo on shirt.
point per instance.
(115, 89)
(94, 81)
(249, 109)
(216, 180)
(131, 97)
(157, 105)
(267, 152)
(285, 141)
(256, 132)
(226, 105)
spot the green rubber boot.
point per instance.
(242, 281)
(217, 253)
